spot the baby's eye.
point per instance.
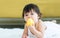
(26, 15)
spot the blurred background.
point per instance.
(11, 11)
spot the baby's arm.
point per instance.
(25, 33)
(38, 32)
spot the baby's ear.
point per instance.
(38, 17)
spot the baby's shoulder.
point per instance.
(40, 21)
(43, 24)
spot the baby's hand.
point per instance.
(29, 22)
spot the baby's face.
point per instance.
(32, 14)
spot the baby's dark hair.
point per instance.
(29, 7)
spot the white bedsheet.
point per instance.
(52, 31)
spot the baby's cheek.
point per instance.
(25, 19)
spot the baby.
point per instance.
(34, 27)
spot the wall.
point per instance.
(13, 8)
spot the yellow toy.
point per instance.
(29, 22)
